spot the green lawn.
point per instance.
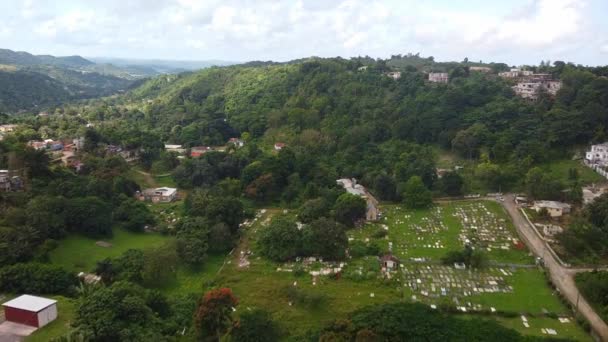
(80, 254)
(570, 330)
(559, 169)
(57, 328)
(198, 280)
(531, 294)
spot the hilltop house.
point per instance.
(480, 69)
(7, 128)
(438, 77)
(515, 73)
(530, 89)
(158, 195)
(10, 183)
(394, 75)
(350, 185)
(236, 142)
(175, 148)
(554, 208)
(198, 151)
(598, 155)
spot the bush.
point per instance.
(379, 234)
(37, 278)
(308, 299)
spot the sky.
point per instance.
(514, 32)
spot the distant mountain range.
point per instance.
(160, 65)
(30, 81)
(24, 58)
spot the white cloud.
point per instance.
(286, 29)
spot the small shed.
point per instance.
(31, 310)
(389, 262)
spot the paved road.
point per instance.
(561, 276)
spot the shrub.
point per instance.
(37, 278)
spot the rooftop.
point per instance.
(30, 303)
(552, 204)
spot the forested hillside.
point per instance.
(364, 124)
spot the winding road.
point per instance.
(561, 276)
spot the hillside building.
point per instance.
(394, 75)
(438, 77)
(158, 195)
(554, 208)
(480, 69)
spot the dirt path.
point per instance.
(150, 180)
(561, 276)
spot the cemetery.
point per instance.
(415, 240)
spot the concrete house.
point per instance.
(394, 75)
(31, 310)
(554, 208)
(389, 263)
(198, 151)
(480, 69)
(438, 77)
(598, 155)
(158, 195)
(236, 142)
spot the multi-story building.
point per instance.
(530, 88)
(598, 155)
(480, 69)
(158, 195)
(438, 77)
(515, 73)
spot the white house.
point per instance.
(598, 155)
(394, 75)
(438, 77)
(158, 195)
(554, 208)
(31, 310)
(279, 146)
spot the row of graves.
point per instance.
(431, 282)
(427, 233)
(483, 228)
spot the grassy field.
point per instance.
(560, 168)
(79, 253)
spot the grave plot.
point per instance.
(419, 236)
(484, 226)
(429, 283)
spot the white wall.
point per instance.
(47, 315)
